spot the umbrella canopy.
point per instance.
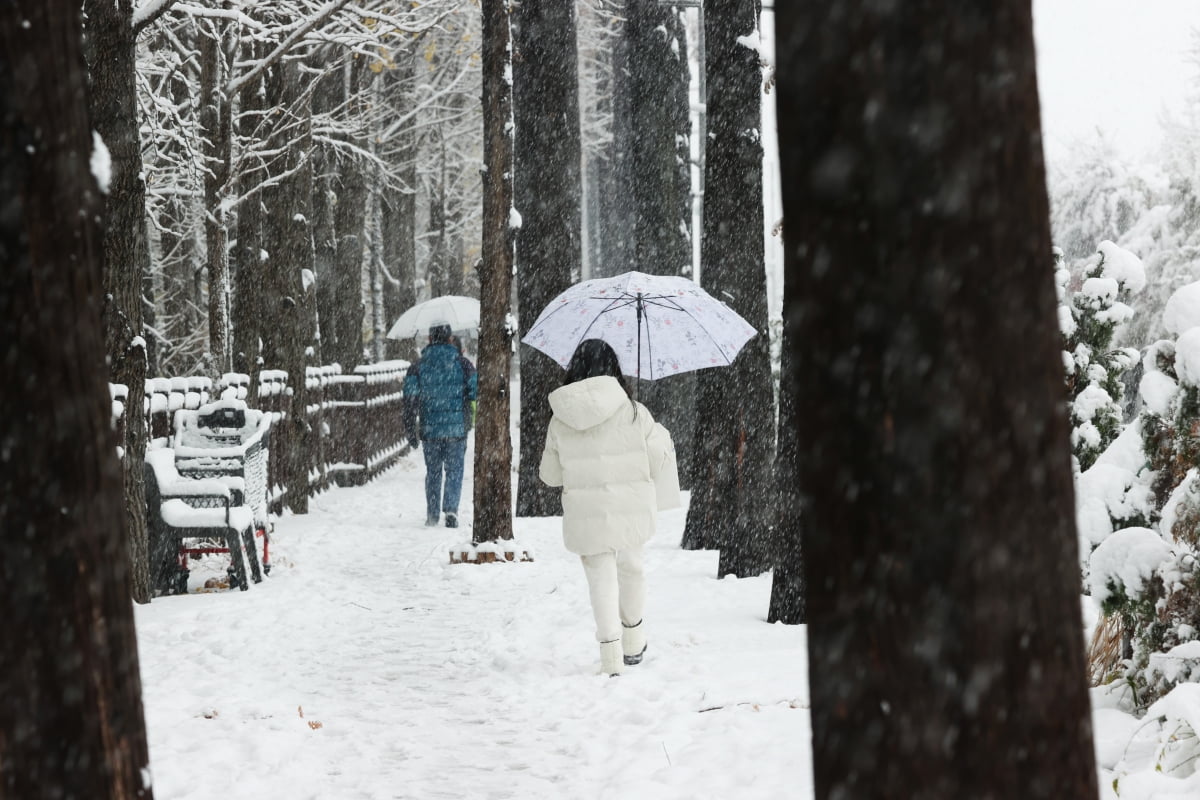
(460, 313)
(659, 325)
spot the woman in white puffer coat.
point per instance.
(607, 453)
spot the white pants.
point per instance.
(618, 590)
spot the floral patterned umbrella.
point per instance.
(659, 325)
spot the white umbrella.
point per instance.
(460, 313)
(659, 325)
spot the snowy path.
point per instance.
(431, 680)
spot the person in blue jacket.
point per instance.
(438, 391)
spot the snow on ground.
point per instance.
(367, 666)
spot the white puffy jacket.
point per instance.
(606, 457)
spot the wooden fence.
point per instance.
(356, 419)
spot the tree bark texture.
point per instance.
(946, 655)
(493, 441)
(70, 690)
(733, 498)
(547, 186)
(114, 113)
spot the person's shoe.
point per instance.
(610, 658)
(431, 521)
(451, 520)
(633, 642)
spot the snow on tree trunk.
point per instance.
(945, 635)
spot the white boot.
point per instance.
(610, 657)
(633, 642)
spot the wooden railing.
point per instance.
(356, 419)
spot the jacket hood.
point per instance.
(586, 403)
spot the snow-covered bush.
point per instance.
(1112, 495)
(1179, 665)
(1148, 577)
(1088, 319)
(1125, 574)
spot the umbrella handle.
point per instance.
(640, 311)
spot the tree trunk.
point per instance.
(350, 222)
(326, 97)
(435, 270)
(178, 258)
(946, 655)
(493, 441)
(660, 188)
(601, 218)
(376, 276)
(70, 687)
(787, 580)
(620, 211)
(149, 294)
(248, 279)
(290, 303)
(651, 132)
(398, 224)
(547, 185)
(114, 112)
(733, 499)
(399, 209)
(215, 121)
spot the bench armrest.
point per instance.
(222, 497)
(194, 487)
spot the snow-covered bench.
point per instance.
(180, 508)
(227, 441)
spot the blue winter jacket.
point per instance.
(439, 388)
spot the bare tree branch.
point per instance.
(149, 12)
(235, 85)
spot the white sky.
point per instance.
(1112, 64)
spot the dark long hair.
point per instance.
(595, 358)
